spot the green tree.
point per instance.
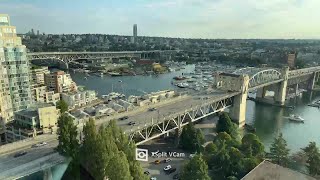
(279, 152)
(251, 143)
(119, 168)
(68, 143)
(226, 125)
(195, 169)
(62, 105)
(191, 139)
(313, 158)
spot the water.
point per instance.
(129, 85)
(268, 120)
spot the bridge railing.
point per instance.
(304, 71)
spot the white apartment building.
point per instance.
(15, 92)
(78, 99)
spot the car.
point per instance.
(171, 170)
(176, 176)
(157, 161)
(20, 154)
(39, 144)
(152, 109)
(124, 118)
(146, 173)
(167, 160)
(132, 123)
(191, 155)
(167, 168)
(153, 178)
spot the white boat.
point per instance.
(296, 118)
(183, 85)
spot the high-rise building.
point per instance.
(291, 60)
(60, 82)
(14, 72)
(135, 33)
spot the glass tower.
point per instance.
(15, 91)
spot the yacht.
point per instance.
(183, 85)
(296, 118)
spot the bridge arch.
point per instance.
(264, 76)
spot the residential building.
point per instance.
(135, 33)
(79, 99)
(15, 92)
(37, 119)
(60, 82)
(40, 94)
(268, 170)
(37, 74)
(291, 60)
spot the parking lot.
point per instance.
(156, 170)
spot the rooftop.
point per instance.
(269, 171)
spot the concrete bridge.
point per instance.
(66, 57)
(171, 115)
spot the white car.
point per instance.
(191, 155)
(167, 168)
(153, 178)
(167, 160)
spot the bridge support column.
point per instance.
(281, 90)
(47, 174)
(312, 81)
(261, 93)
(238, 110)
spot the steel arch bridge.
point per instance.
(259, 76)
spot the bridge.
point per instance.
(171, 115)
(66, 57)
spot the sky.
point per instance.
(169, 18)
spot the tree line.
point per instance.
(231, 157)
(105, 153)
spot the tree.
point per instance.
(195, 169)
(191, 139)
(226, 125)
(62, 105)
(313, 158)
(68, 143)
(279, 152)
(119, 169)
(251, 143)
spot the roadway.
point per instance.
(8, 163)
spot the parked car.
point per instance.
(124, 118)
(171, 170)
(167, 168)
(132, 123)
(167, 160)
(157, 161)
(152, 109)
(20, 154)
(153, 178)
(146, 173)
(191, 155)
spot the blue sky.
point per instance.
(170, 18)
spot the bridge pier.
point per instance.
(312, 81)
(261, 93)
(281, 88)
(238, 109)
(47, 174)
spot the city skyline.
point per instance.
(176, 18)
